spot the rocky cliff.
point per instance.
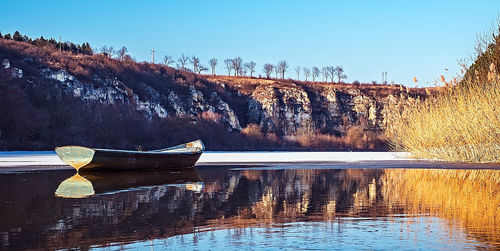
(282, 107)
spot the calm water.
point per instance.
(238, 208)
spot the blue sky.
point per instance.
(404, 38)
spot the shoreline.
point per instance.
(21, 161)
(50, 158)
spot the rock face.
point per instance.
(161, 105)
(280, 107)
(295, 109)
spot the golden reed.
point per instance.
(459, 123)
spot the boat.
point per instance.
(91, 159)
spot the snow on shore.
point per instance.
(291, 157)
(10, 159)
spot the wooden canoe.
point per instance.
(176, 157)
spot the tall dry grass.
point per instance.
(461, 123)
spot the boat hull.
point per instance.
(132, 161)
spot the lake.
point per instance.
(243, 207)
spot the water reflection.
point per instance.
(448, 208)
(75, 186)
(91, 183)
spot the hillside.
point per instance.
(50, 98)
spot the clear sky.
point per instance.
(404, 38)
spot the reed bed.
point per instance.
(459, 123)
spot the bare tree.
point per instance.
(307, 72)
(183, 61)
(277, 71)
(213, 63)
(339, 73)
(229, 65)
(297, 70)
(121, 53)
(268, 69)
(324, 74)
(167, 60)
(250, 67)
(315, 73)
(108, 51)
(201, 68)
(282, 66)
(331, 72)
(196, 62)
(238, 66)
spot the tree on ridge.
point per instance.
(213, 63)
(307, 72)
(268, 69)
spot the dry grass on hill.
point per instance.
(247, 84)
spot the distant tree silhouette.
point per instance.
(250, 67)
(201, 68)
(108, 51)
(183, 61)
(268, 69)
(282, 66)
(196, 62)
(7, 36)
(86, 49)
(307, 72)
(297, 70)
(237, 66)
(121, 53)
(315, 73)
(339, 73)
(324, 74)
(213, 63)
(229, 66)
(330, 72)
(167, 60)
(17, 36)
(277, 71)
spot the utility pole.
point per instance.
(384, 77)
(153, 56)
(60, 44)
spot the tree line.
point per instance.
(234, 66)
(67, 46)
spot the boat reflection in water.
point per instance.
(91, 183)
(248, 208)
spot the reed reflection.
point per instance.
(470, 198)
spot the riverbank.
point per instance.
(47, 160)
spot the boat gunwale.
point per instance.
(160, 152)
